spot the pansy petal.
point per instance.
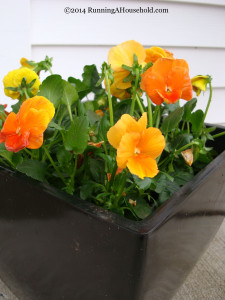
(35, 142)
(142, 166)
(2, 138)
(36, 122)
(127, 148)
(37, 103)
(154, 53)
(119, 80)
(123, 54)
(11, 124)
(142, 122)
(119, 93)
(17, 142)
(152, 142)
(125, 124)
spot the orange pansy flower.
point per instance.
(137, 146)
(25, 129)
(167, 80)
(123, 54)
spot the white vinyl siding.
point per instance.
(192, 30)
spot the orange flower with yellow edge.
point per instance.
(137, 146)
(154, 53)
(123, 54)
(167, 80)
(25, 129)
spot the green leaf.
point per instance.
(188, 108)
(33, 168)
(142, 208)
(76, 138)
(170, 107)
(180, 141)
(172, 120)
(82, 89)
(5, 153)
(93, 117)
(97, 170)
(197, 121)
(181, 177)
(103, 128)
(52, 124)
(89, 105)
(2, 108)
(164, 184)
(52, 89)
(70, 95)
(16, 107)
(89, 188)
(63, 156)
(91, 77)
(143, 184)
(80, 108)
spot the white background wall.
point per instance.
(193, 30)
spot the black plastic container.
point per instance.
(53, 250)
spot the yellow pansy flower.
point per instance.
(14, 78)
(199, 83)
(154, 53)
(123, 54)
(23, 62)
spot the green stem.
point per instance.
(188, 127)
(155, 114)
(50, 70)
(183, 126)
(28, 152)
(149, 111)
(54, 165)
(184, 148)
(112, 177)
(158, 117)
(120, 189)
(209, 101)
(218, 134)
(26, 94)
(70, 113)
(168, 158)
(139, 104)
(109, 98)
(134, 93)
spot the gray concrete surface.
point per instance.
(205, 282)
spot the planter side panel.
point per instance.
(177, 244)
(51, 250)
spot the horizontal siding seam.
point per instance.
(111, 45)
